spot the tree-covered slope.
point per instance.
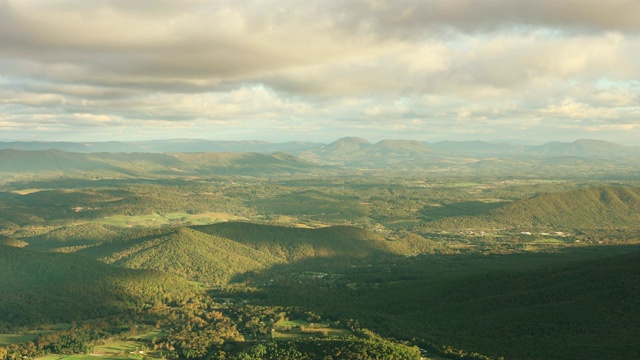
(295, 244)
(184, 252)
(601, 207)
(576, 305)
(38, 287)
(588, 309)
(589, 208)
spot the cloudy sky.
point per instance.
(318, 70)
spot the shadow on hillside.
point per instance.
(465, 208)
(526, 305)
(389, 267)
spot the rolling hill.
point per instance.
(184, 252)
(222, 252)
(294, 244)
(40, 287)
(589, 208)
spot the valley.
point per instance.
(348, 250)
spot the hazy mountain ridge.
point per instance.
(583, 157)
(145, 164)
(161, 146)
(340, 147)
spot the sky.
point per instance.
(319, 70)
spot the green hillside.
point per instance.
(184, 252)
(295, 244)
(218, 253)
(601, 207)
(589, 208)
(37, 288)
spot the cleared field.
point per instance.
(295, 329)
(148, 336)
(156, 219)
(26, 191)
(89, 357)
(111, 350)
(131, 221)
(549, 241)
(6, 339)
(31, 335)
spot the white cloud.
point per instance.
(244, 67)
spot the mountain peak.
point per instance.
(351, 139)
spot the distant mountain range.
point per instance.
(150, 164)
(254, 158)
(162, 146)
(347, 146)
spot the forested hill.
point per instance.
(184, 252)
(37, 287)
(577, 310)
(216, 254)
(600, 207)
(295, 244)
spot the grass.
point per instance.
(292, 323)
(6, 339)
(463, 185)
(87, 357)
(148, 336)
(549, 241)
(118, 349)
(26, 191)
(156, 219)
(131, 221)
(310, 330)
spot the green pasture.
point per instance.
(90, 356)
(548, 241)
(292, 323)
(148, 336)
(116, 350)
(310, 329)
(31, 335)
(156, 219)
(6, 339)
(463, 185)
